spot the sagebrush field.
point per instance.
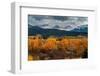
(67, 47)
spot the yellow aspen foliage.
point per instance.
(85, 43)
(50, 44)
(75, 46)
(30, 57)
(34, 43)
(64, 43)
(30, 44)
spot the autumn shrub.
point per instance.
(56, 48)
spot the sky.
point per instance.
(58, 22)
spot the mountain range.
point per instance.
(56, 31)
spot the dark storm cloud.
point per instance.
(40, 17)
(62, 18)
(47, 21)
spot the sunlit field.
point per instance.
(50, 48)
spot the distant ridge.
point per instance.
(33, 30)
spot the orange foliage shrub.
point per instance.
(64, 43)
(30, 57)
(77, 45)
(34, 44)
(50, 44)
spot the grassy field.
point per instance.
(51, 48)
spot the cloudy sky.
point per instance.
(57, 22)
